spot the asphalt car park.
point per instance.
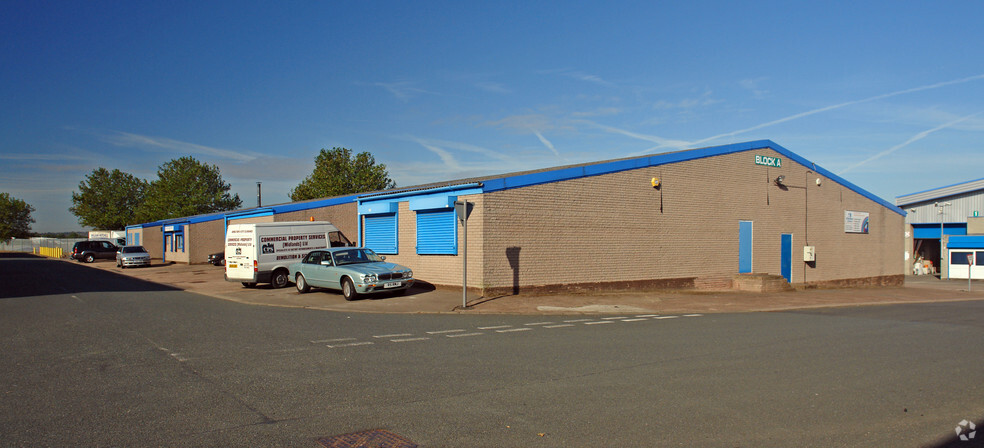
(426, 298)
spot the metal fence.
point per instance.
(48, 247)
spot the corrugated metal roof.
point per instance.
(940, 193)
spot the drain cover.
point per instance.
(374, 438)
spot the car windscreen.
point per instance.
(352, 256)
(133, 249)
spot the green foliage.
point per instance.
(108, 200)
(15, 217)
(186, 187)
(337, 173)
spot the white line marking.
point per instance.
(384, 336)
(666, 317)
(614, 318)
(576, 320)
(354, 344)
(559, 326)
(634, 320)
(538, 323)
(648, 315)
(445, 331)
(495, 327)
(461, 335)
(513, 330)
(600, 322)
(692, 315)
(332, 340)
(409, 339)
(77, 298)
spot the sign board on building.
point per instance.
(855, 222)
(768, 161)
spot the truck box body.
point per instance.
(254, 252)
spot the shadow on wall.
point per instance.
(512, 254)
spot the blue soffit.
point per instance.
(966, 242)
(567, 173)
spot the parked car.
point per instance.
(129, 256)
(352, 270)
(89, 251)
(217, 259)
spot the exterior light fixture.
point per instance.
(780, 179)
(655, 182)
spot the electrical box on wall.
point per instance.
(809, 253)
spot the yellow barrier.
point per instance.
(53, 252)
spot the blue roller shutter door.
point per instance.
(380, 233)
(437, 232)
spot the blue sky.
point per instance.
(890, 95)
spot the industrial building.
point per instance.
(943, 227)
(702, 218)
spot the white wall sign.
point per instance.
(855, 222)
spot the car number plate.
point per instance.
(232, 266)
(391, 285)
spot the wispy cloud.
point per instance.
(753, 85)
(128, 140)
(578, 75)
(842, 105)
(493, 87)
(911, 140)
(704, 99)
(44, 157)
(546, 143)
(402, 90)
(450, 162)
(660, 142)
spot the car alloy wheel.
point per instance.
(301, 283)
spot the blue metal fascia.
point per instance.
(460, 190)
(941, 188)
(965, 242)
(822, 171)
(299, 206)
(251, 213)
(432, 202)
(378, 207)
(526, 180)
(932, 230)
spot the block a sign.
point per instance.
(855, 222)
(768, 161)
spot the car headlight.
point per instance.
(369, 278)
(407, 274)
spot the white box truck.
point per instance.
(260, 252)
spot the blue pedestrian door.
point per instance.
(786, 260)
(744, 247)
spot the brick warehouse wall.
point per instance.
(152, 240)
(616, 228)
(442, 270)
(204, 238)
(343, 216)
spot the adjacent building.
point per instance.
(943, 227)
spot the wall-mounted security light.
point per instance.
(655, 182)
(819, 181)
(780, 179)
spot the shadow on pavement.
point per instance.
(26, 275)
(966, 434)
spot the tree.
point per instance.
(108, 200)
(15, 217)
(186, 187)
(337, 173)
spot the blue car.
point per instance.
(352, 270)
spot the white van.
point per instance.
(260, 252)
